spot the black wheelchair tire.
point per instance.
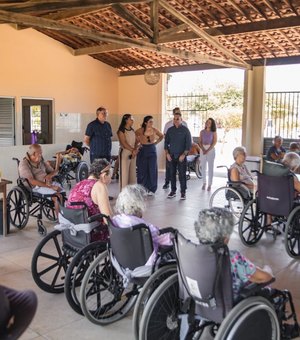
(160, 317)
(82, 171)
(101, 281)
(18, 207)
(241, 312)
(292, 234)
(149, 287)
(251, 232)
(77, 269)
(53, 283)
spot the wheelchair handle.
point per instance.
(77, 203)
(222, 166)
(168, 230)
(97, 217)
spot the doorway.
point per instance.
(37, 121)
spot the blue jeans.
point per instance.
(181, 167)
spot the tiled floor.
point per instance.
(56, 320)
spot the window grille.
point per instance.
(7, 121)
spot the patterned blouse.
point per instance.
(241, 270)
(82, 193)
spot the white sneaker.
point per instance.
(150, 193)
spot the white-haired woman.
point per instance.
(130, 206)
(216, 225)
(292, 161)
(238, 170)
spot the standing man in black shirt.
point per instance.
(98, 136)
(177, 146)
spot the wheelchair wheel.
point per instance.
(292, 234)
(18, 207)
(149, 287)
(82, 171)
(251, 319)
(228, 198)
(251, 224)
(49, 263)
(49, 211)
(160, 318)
(103, 298)
(76, 271)
(198, 170)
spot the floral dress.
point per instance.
(241, 270)
(82, 193)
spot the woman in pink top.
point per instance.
(207, 142)
(93, 192)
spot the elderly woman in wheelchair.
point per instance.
(112, 283)
(219, 290)
(275, 206)
(240, 186)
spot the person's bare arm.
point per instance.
(296, 184)
(100, 197)
(87, 140)
(260, 276)
(159, 135)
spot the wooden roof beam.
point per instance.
(272, 7)
(154, 23)
(55, 5)
(200, 32)
(74, 12)
(136, 22)
(112, 38)
(289, 3)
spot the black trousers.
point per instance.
(175, 166)
(21, 305)
(94, 156)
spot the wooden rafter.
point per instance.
(154, 20)
(71, 13)
(263, 46)
(200, 32)
(290, 4)
(276, 43)
(136, 22)
(272, 7)
(223, 10)
(256, 8)
(240, 10)
(108, 37)
(54, 5)
(297, 48)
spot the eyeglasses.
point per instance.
(176, 118)
(148, 139)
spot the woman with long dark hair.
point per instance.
(148, 136)
(128, 151)
(207, 142)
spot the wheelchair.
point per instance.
(22, 202)
(197, 300)
(63, 256)
(113, 281)
(193, 165)
(276, 197)
(73, 168)
(233, 196)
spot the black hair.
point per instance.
(213, 127)
(176, 109)
(145, 121)
(123, 122)
(97, 167)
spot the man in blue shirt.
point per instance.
(98, 136)
(177, 146)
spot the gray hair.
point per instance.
(214, 225)
(131, 200)
(291, 160)
(238, 150)
(97, 167)
(33, 148)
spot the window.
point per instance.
(35, 118)
(7, 121)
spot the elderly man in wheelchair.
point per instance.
(220, 291)
(35, 177)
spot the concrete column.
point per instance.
(254, 107)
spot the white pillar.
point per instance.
(254, 107)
